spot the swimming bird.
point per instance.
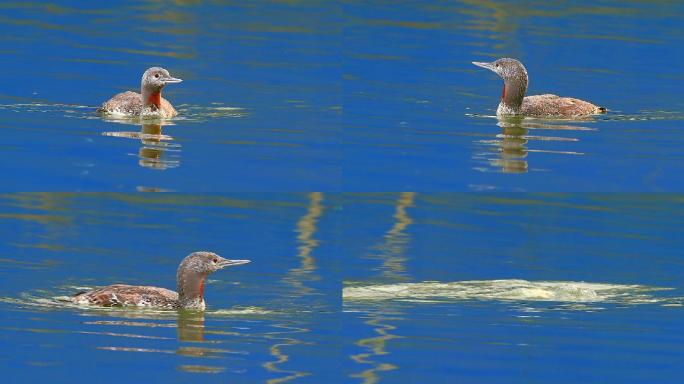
(190, 278)
(147, 103)
(514, 101)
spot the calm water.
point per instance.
(340, 96)
(474, 287)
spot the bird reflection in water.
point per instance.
(190, 326)
(190, 329)
(512, 147)
(158, 151)
(508, 152)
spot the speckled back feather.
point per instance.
(121, 295)
(553, 105)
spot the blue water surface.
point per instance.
(354, 96)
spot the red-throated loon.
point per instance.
(514, 101)
(147, 103)
(192, 272)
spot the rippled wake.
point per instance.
(511, 290)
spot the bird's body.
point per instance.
(514, 102)
(190, 279)
(553, 105)
(130, 103)
(147, 104)
(121, 295)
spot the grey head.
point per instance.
(194, 269)
(206, 263)
(155, 78)
(515, 80)
(506, 68)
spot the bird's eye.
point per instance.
(215, 261)
(157, 75)
(497, 65)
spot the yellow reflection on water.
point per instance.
(376, 346)
(392, 254)
(396, 240)
(276, 350)
(306, 229)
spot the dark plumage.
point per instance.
(514, 101)
(147, 103)
(190, 278)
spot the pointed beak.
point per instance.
(223, 263)
(489, 66)
(171, 80)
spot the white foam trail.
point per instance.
(508, 290)
(240, 311)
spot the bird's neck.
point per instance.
(513, 93)
(151, 97)
(191, 290)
